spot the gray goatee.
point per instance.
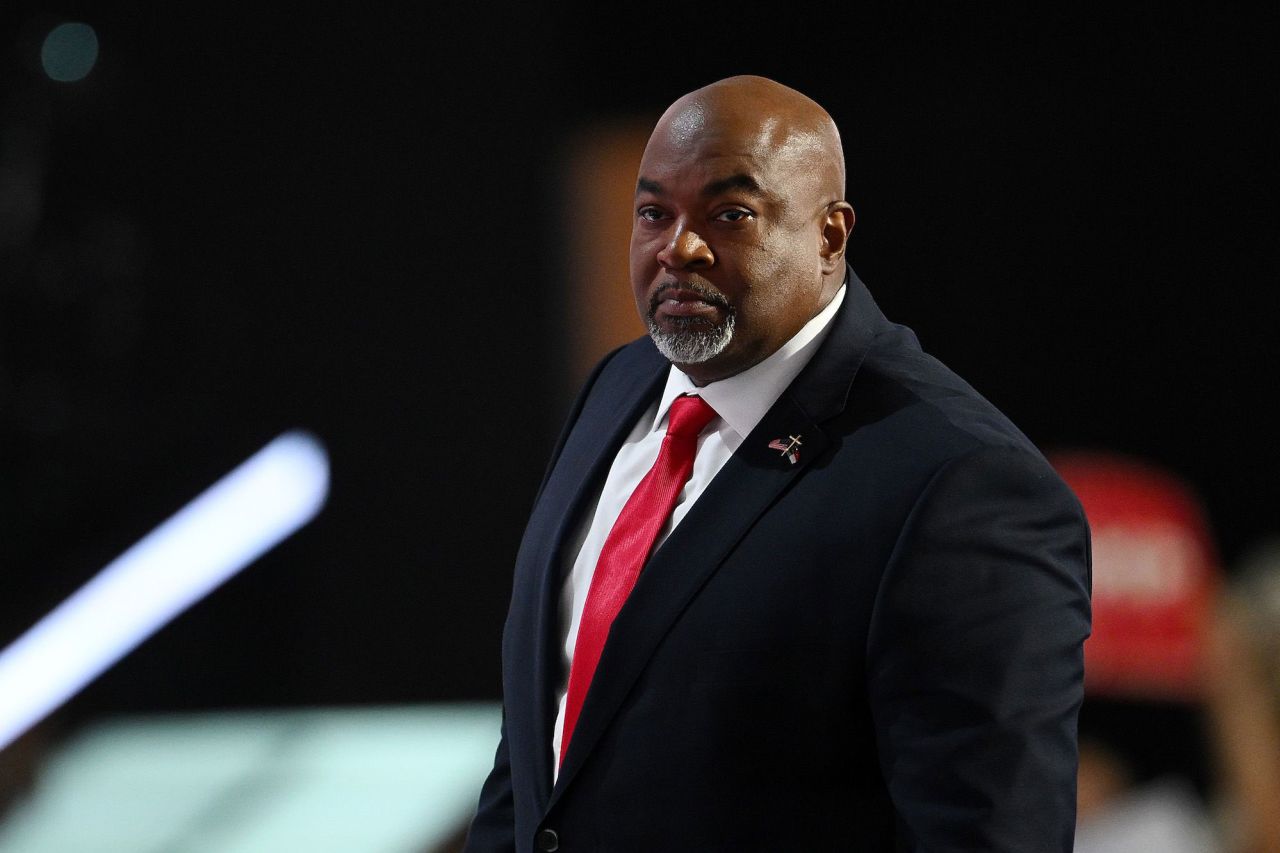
(692, 341)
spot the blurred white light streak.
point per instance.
(236, 520)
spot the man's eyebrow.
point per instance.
(644, 185)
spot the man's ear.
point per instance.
(836, 225)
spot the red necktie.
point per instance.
(628, 544)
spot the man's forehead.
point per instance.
(713, 171)
(688, 124)
(711, 186)
(779, 135)
(701, 135)
(758, 148)
(705, 158)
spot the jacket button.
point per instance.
(548, 841)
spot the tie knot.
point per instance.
(688, 416)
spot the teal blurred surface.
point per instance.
(370, 780)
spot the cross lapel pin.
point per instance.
(789, 449)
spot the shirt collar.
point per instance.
(743, 399)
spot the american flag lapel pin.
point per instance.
(789, 449)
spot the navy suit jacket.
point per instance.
(876, 648)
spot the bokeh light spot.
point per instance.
(69, 52)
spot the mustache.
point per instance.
(707, 294)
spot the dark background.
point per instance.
(349, 219)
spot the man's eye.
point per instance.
(733, 215)
(650, 214)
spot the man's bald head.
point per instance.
(781, 122)
(741, 224)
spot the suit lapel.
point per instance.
(746, 487)
(605, 421)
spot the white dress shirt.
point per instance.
(740, 402)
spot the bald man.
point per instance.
(789, 582)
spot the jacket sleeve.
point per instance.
(494, 827)
(975, 658)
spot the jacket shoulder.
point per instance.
(918, 389)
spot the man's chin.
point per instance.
(695, 344)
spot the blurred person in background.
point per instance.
(1242, 672)
(1177, 746)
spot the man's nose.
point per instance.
(686, 250)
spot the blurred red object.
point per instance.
(1155, 577)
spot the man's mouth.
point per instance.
(687, 301)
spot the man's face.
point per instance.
(725, 244)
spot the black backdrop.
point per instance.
(346, 218)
